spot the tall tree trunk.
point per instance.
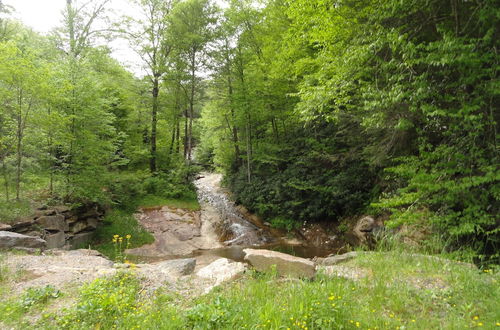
(5, 179)
(154, 114)
(178, 135)
(191, 105)
(237, 158)
(249, 151)
(186, 133)
(19, 136)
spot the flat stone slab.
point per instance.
(10, 239)
(333, 260)
(219, 271)
(179, 267)
(285, 264)
(53, 222)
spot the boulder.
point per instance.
(9, 240)
(286, 265)
(177, 267)
(53, 222)
(81, 239)
(56, 240)
(221, 270)
(71, 219)
(333, 260)
(363, 226)
(79, 226)
(92, 222)
(62, 209)
(23, 224)
(5, 227)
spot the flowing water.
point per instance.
(219, 229)
(237, 230)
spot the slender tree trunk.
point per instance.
(178, 135)
(249, 151)
(172, 140)
(191, 105)
(154, 114)
(19, 144)
(185, 133)
(5, 179)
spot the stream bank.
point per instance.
(219, 229)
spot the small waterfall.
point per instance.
(236, 230)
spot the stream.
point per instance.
(219, 229)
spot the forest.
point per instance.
(314, 111)
(263, 164)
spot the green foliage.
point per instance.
(13, 210)
(308, 181)
(34, 296)
(319, 109)
(122, 223)
(403, 290)
(13, 309)
(284, 223)
(103, 303)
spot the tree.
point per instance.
(148, 37)
(192, 26)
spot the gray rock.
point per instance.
(79, 226)
(23, 224)
(71, 219)
(177, 267)
(92, 222)
(333, 260)
(81, 239)
(4, 226)
(286, 265)
(365, 224)
(9, 240)
(55, 241)
(53, 222)
(84, 252)
(221, 270)
(364, 227)
(62, 209)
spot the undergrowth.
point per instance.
(400, 292)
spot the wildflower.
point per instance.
(331, 297)
(128, 236)
(480, 324)
(116, 236)
(475, 317)
(357, 324)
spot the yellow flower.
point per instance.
(331, 297)
(357, 324)
(128, 236)
(475, 317)
(480, 324)
(116, 236)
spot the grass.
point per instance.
(182, 203)
(13, 210)
(387, 299)
(122, 223)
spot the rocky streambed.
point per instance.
(219, 229)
